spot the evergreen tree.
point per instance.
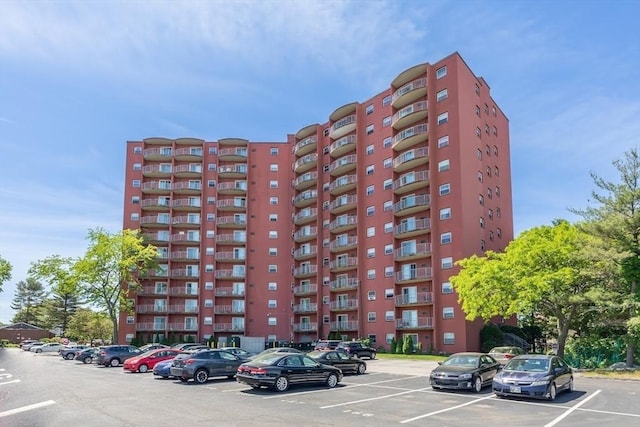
(29, 294)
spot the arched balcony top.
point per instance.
(345, 110)
(306, 131)
(235, 142)
(408, 75)
(158, 141)
(190, 141)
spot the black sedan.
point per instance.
(87, 355)
(340, 359)
(278, 371)
(536, 376)
(205, 364)
(464, 371)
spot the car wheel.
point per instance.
(477, 385)
(570, 386)
(372, 356)
(361, 369)
(38, 351)
(201, 376)
(87, 360)
(332, 380)
(70, 356)
(114, 362)
(281, 384)
(143, 368)
(553, 392)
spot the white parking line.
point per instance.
(9, 382)
(27, 408)
(375, 398)
(573, 408)
(447, 409)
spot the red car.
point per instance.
(146, 361)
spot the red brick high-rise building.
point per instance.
(350, 227)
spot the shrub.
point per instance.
(393, 346)
(407, 344)
(490, 336)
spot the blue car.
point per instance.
(163, 369)
(535, 376)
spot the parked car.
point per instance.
(326, 345)
(339, 359)
(196, 348)
(239, 352)
(504, 354)
(50, 347)
(27, 342)
(87, 355)
(464, 371)
(115, 355)
(69, 352)
(357, 348)
(148, 347)
(275, 350)
(537, 376)
(147, 360)
(280, 370)
(205, 364)
(183, 346)
(27, 346)
(163, 369)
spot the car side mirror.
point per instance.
(439, 363)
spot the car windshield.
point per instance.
(467, 361)
(501, 350)
(315, 353)
(267, 358)
(528, 365)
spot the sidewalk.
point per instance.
(402, 367)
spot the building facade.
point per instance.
(349, 228)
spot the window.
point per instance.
(388, 271)
(325, 319)
(443, 118)
(446, 263)
(477, 89)
(498, 213)
(370, 210)
(272, 303)
(211, 200)
(386, 100)
(387, 163)
(272, 286)
(481, 199)
(371, 316)
(137, 166)
(208, 268)
(325, 168)
(491, 236)
(370, 190)
(211, 166)
(130, 320)
(443, 141)
(326, 150)
(274, 151)
(447, 312)
(386, 121)
(493, 111)
(135, 200)
(388, 227)
(273, 217)
(496, 171)
(210, 234)
(208, 303)
(211, 183)
(273, 234)
(480, 176)
(208, 321)
(445, 213)
(442, 95)
(387, 206)
(447, 288)
(481, 222)
(387, 184)
(497, 191)
(369, 109)
(273, 184)
(495, 131)
(486, 129)
(273, 200)
(371, 231)
(387, 142)
(445, 189)
(369, 129)
(483, 245)
(273, 167)
(213, 150)
(477, 111)
(388, 249)
(389, 316)
(443, 165)
(371, 274)
(209, 251)
(487, 150)
(208, 286)
(273, 251)
(489, 193)
(272, 321)
(449, 338)
(499, 232)
(478, 132)
(137, 150)
(369, 170)
(325, 299)
(369, 149)
(445, 238)
(479, 154)
(490, 213)
(441, 72)
(135, 183)
(371, 295)
(211, 217)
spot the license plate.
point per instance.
(515, 389)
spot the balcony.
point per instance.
(305, 234)
(232, 187)
(182, 309)
(305, 216)
(192, 256)
(150, 291)
(409, 114)
(413, 276)
(343, 203)
(184, 273)
(343, 165)
(229, 292)
(421, 250)
(228, 327)
(305, 271)
(150, 308)
(419, 323)
(183, 291)
(305, 327)
(305, 253)
(226, 274)
(192, 204)
(158, 154)
(343, 264)
(188, 154)
(342, 146)
(185, 239)
(342, 127)
(305, 146)
(230, 257)
(231, 222)
(231, 239)
(420, 298)
(306, 180)
(307, 289)
(411, 159)
(233, 154)
(156, 187)
(147, 327)
(412, 228)
(162, 170)
(156, 238)
(305, 163)
(411, 204)
(161, 221)
(239, 170)
(186, 221)
(343, 284)
(343, 243)
(305, 308)
(228, 309)
(238, 204)
(343, 184)
(345, 325)
(343, 223)
(233, 142)
(191, 170)
(410, 137)
(160, 204)
(305, 198)
(411, 181)
(182, 327)
(409, 93)
(187, 187)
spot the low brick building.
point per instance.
(23, 331)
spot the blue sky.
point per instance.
(80, 78)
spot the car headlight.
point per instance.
(542, 381)
(465, 376)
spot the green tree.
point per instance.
(5, 271)
(65, 299)
(111, 267)
(87, 325)
(28, 295)
(546, 271)
(615, 218)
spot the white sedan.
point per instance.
(46, 348)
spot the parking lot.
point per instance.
(48, 390)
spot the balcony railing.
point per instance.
(305, 327)
(348, 325)
(343, 284)
(417, 274)
(305, 308)
(414, 299)
(348, 304)
(418, 323)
